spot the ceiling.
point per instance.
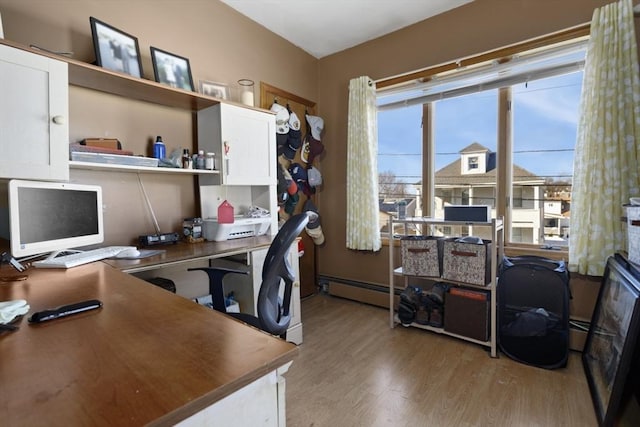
(323, 27)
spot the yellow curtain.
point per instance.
(608, 146)
(362, 167)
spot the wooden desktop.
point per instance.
(146, 357)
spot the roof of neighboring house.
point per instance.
(451, 174)
(391, 205)
(474, 147)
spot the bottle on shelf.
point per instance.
(159, 149)
(187, 162)
(200, 160)
(210, 161)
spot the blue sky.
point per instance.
(545, 118)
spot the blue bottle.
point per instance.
(159, 150)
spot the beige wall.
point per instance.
(477, 27)
(224, 46)
(221, 45)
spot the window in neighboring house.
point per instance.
(516, 235)
(516, 196)
(464, 199)
(527, 104)
(473, 163)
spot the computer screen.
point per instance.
(52, 216)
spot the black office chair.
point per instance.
(273, 316)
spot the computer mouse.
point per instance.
(128, 253)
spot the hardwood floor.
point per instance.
(353, 370)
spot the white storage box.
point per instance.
(114, 159)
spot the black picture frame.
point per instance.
(171, 69)
(612, 338)
(115, 49)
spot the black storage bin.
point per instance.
(533, 311)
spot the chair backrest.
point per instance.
(273, 316)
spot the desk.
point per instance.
(176, 259)
(147, 357)
(182, 252)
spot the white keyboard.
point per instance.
(79, 258)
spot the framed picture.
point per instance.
(216, 90)
(171, 69)
(612, 338)
(115, 49)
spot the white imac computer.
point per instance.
(49, 217)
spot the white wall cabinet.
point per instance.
(243, 141)
(34, 106)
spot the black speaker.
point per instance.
(469, 213)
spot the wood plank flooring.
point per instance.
(353, 370)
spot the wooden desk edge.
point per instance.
(220, 393)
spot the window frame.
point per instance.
(504, 183)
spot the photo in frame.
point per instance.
(171, 69)
(213, 89)
(115, 49)
(611, 342)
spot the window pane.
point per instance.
(399, 160)
(465, 146)
(545, 117)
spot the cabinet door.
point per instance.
(244, 141)
(248, 139)
(34, 106)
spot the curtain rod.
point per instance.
(499, 54)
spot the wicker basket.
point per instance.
(467, 262)
(421, 255)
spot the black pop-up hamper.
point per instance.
(533, 311)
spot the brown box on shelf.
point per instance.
(467, 262)
(421, 255)
(466, 313)
(112, 143)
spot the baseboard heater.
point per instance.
(369, 293)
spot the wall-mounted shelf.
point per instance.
(141, 169)
(91, 76)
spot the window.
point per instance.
(545, 113)
(454, 126)
(473, 163)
